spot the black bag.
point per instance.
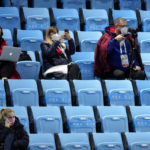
(24, 56)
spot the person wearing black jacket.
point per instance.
(12, 133)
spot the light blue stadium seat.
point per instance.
(47, 119)
(23, 92)
(101, 4)
(147, 4)
(16, 3)
(144, 41)
(130, 4)
(120, 92)
(80, 119)
(85, 60)
(29, 40)
(146, 62)
(36, 18)
(8, 37)
(9, 18)
(74, 4)
(113, 118)
(130, 15)
(89, 92)
(88, 40)
(2, 94)
(141, 118)
(143, 88)
(42, 142)
(32, 55)
(138, 141)
(74, 141)
(108, 141)
(56, 92)
(44, 3)
(66, 19)
(94, 21)
(28, 69)
(145, 18)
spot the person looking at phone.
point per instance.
(56, 55)
(12, 133)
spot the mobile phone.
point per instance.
(66, 30)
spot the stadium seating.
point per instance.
(66, 19)
(56, 92)
(94, 21)
(47, 119)
(130, 15)
(41, 142)
(44, 3)
(29, 40)
(85, 60)
(144, 41)
(143, 88)
(108, 141)
(74, 141)
(113, 118)
(140, 118)
(2, 94)
(88, 40)
(16, 3)
(89, 92)
(9, 18)
(36, 18)
(8, 37)
(120, 92)
(80, 119)
(23, 92)
(147, 4)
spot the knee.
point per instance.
(139, 75)
(119, 75)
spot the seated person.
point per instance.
(114, 57)
(7, 69)
(56, 56)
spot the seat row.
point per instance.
(72, 19)
(77, 92)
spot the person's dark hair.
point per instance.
(1, 36)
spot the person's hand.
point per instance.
(67, 36)
(119, 37)
(137, 68)
(7, 123)
(61, 36)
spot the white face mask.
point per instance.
(55, 37)
(124, 30)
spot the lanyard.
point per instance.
(121, 51)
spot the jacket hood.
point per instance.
(110, 29)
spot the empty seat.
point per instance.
(28, 69)
(56, 92)
(138, 141)
(120, 92)
(23, 92)
(66, 19)
(143, 88)
(8, 36)
(73, 141)
(2, 94)
(108, 141)
(9, 18)
(147, 4)
(47, 119)
(144, 41)
(29, 40)
(41, 142)
(94, 21)
(85, 60)
(130, 4)
(141, 118)
(145, 18)
(36, 18)
(88, 40)
(130, 15)
(16, 3)
(80, 119)
(44, 4)
(88, 92)
(101, 4)
(74, 4)
(113, 118)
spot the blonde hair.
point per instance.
(119, 20)
(4, 113)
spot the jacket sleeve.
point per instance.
(110, 46)
(3, 133)
(71, 49)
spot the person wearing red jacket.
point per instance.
(113, 54)
(7, 69)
